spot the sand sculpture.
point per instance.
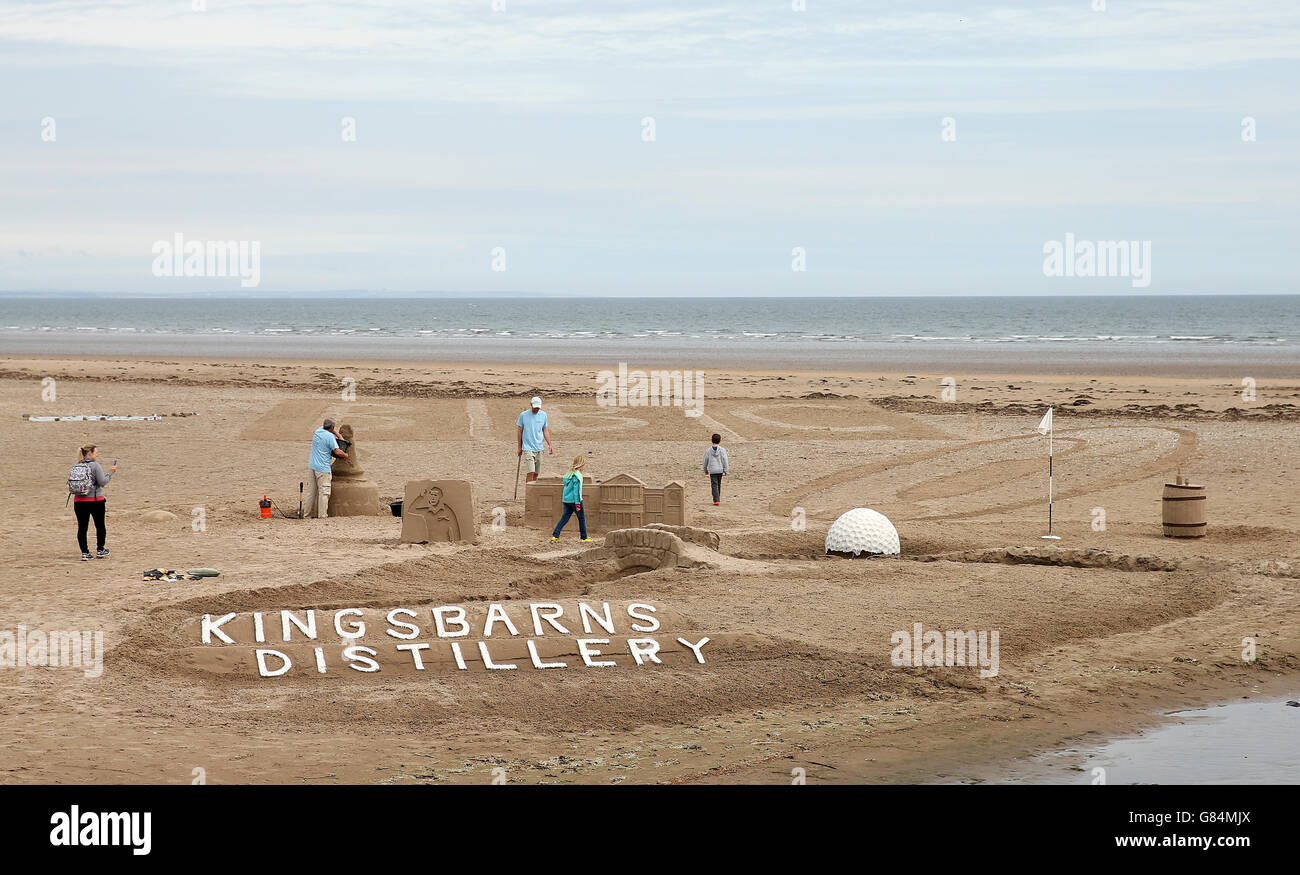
(703, 537)
(621, 502)
(351, 494)
(637, 550)
(655, 546)
(862, 530)
(438, 510)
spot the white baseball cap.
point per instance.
(537, 402)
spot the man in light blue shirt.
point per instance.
(324, 450)
(533, 433)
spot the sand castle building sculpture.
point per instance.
(351, 494)
(621, 502)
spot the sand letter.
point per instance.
(208, 627)
(355, 653)
(537, 659)
(259, 628)
(633, 610)
(308, 628)
(585, 611)
(453, 615)
(393, 621)
(695, 648)
(644, 647)
(266, 672)
(553, 610)
(487, 658)
(460, 660)
(497, 614)
(587, 652)
(415, 653)
(320, 659)
(358, 627)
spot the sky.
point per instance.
(654, 147)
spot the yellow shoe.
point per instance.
(553, 538)
(587, 540)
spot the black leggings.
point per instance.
(715, 480)
(86, 510)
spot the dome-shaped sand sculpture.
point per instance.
(862, 530)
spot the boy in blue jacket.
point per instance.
(572, 498)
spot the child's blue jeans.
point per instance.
(570, 508)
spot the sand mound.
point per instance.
(1059, 556)
(159, 517)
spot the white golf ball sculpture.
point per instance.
(862, 530)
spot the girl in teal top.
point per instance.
(572, 498)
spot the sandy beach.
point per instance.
(1099, 632)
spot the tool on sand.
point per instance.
(300, 482)
(518, 463)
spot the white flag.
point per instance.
(1046, 425)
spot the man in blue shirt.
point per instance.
(324, 450)
(533, 432)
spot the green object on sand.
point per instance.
(203, 572)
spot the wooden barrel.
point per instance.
(1184, 511)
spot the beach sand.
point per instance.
(1099, 632)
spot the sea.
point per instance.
(1245, 742)
(1190, 335)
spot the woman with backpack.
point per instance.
(86, 484)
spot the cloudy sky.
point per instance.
(527, 127)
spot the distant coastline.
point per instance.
(1190, 336)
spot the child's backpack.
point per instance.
(81, 480)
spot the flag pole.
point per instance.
(1051, 432)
